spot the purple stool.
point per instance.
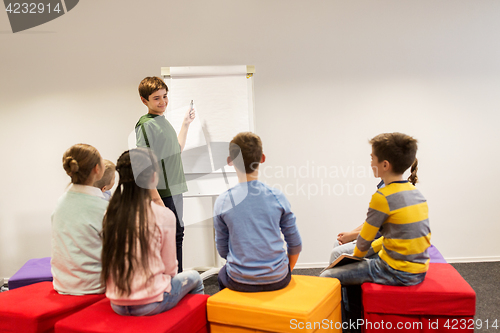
(435, 255)
(33, 271)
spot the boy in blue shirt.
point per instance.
(249, 220)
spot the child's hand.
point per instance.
(190, 115)
(346, 237)
(340, 238)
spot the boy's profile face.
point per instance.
(157, 102)
(376, 165)
(100, 168)
(111, 183)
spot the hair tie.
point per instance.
(126, 180)
(125, 172)
(71, 165)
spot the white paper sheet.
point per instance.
(222, 111)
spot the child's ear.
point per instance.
(99, 169)
(154, 180)
(263, 158)
(144, 101)
(386, 165)
(229, 161)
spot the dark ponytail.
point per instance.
(127, 230)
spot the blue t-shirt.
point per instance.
(249, 220)
(107, 195)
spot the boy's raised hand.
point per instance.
(188, 119)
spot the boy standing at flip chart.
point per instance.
(154, 131)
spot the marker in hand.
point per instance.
(190, 115)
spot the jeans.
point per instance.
(373, 270)
(182, 284)
(346, 248)
(338, 250)
(176, 205)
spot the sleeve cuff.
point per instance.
(294, 249)
(358, 253)
(377, 244)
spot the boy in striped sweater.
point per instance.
(399, 211)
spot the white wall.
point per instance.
(330, 75)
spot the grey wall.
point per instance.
(330, 75)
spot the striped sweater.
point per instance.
(400, 212)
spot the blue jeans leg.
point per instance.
(352, 274)
(338, 250)
(373, 270)
(184, 283)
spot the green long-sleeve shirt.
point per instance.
(157, 133)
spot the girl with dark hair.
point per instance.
(139, 265)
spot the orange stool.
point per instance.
(307, 304)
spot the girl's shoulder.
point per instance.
(76, 199)
(163, 215)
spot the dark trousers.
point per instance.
(176, 204)
(352, 308)
(226, 282)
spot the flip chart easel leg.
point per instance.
(218, 261)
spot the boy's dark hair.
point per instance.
(250, 147)
(397, 148)
(150, 85)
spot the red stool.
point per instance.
(37, 307)
(444, 301)
(190, 315)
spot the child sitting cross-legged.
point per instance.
(346, 241)
(139, 265)
(399, 211)
(249, 221)
(76, 223)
